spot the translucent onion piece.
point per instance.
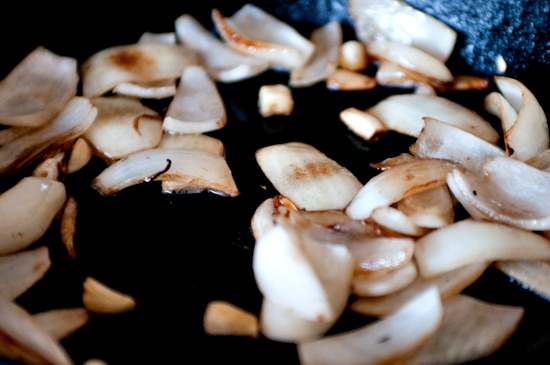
(531, 274)
(384, 341)
(384, 283)
(222, 62)
(138, 62)
(10, 133)
(193, 141)
(390, 74)
(342, 79)
(525, 133)
(199, 168)
(405, 113)
(324, 60)
(410, 58)
(508, 191)
(433, 208)
(378, 254)
(469, 241)
(60, 323)
(197, 106)
(23, 339)
(69, 124)
(471, 329)
(397, 21)
(398, 182)
(27, 210)
(449, 284)
(123, 126)
(255, 32)
(37, 88)
(443, 140)
(19, 271)
(395, 220)
(363, 124)
(305, 175)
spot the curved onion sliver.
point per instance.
(405, 113)
(385, 341)
(397, 21)
(202, 169)
(525, 133)
(531, 274)
(384, 283)
(255, 32)
(470, 241)
(37, 88)
(19, 271)
(222, 62)
(27, 210)
(60, 323)
(508, 191)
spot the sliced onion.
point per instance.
(60, 323)
(405, 113)
(523, 120)
(69, 124)
(199, 168)
(443, 140)
(81, 153)
(507, 191)
(433, 208)
(395, 220)
(305, 175)
(363, 124)
(378, 254)
(138, 63)
(384, 283)
(469, 241)
(255, 32)
(221, 61)
(324, 60)
(398, 182)
(384, 341)
(398, 21)
(38, 88)
(193, 141)
(27, 210)
(197, 106)
(342, 79)
(531, 274)
(21, 270)
(226, 319)
(100, 298)
(123, 125)
(540, 161)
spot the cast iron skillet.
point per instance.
(176, 253)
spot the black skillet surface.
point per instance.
(176, 253)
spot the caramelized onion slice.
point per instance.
(398, 21)
(255, 32)
(27, 210)
(197, 106)
(305, 175)
(19, 271)
(202, 169)
(222, 62)
(70, 123)
(398, 182)
(470, 241)
(226, 319)
(405, 114)
(123, 125)
(384, 341)
(432, 208)
(37, 88)
(471, 329)
(138, 63)
(100, 298)
(507, 191)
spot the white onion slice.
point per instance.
(305, 175)
(69, 124)
(405, 113)
(19, 271)
(324, 60)
(397, 221)
(137, 63)
(37, 88)
(342, 79)
(508, 191)
(540, 161)
(525, 133)
(398, 182)
(27, 210)
(123, 125)
(384, 283)
(363, 124)
(398, 21)
(60, 323)
(201, 169)
(433, 208)
(384, 341)
(193, 141)
(379, 254)
(197, 106)
(470, 241)
(222, 62)
(255, 32)
(531, 274)
(443, 140)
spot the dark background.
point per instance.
(175, 253)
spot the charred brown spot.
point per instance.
(132, 60)
(312, 170)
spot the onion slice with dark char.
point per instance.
(201, 169)
(37, 88)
